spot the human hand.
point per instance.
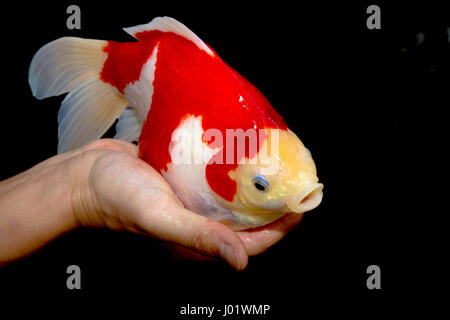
(105, 184)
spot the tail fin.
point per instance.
(74, 65)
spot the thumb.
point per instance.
(173, 223)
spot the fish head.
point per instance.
(282, 178)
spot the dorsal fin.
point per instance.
(167, 24)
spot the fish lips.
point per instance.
(308, 199)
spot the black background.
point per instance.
(369, 104)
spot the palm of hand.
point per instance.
(121, 191)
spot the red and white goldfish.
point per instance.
(175, 96)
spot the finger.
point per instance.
(108, 144)
(181, 253)
(101, 144)
(168, 221)
(259, 239)
(113, 144)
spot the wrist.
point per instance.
(35, 208)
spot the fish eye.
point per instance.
(261, 183)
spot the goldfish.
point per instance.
(211, 134)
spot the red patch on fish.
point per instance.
(189, 81)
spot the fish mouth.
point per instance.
(307, 200)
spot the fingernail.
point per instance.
(230, 255)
